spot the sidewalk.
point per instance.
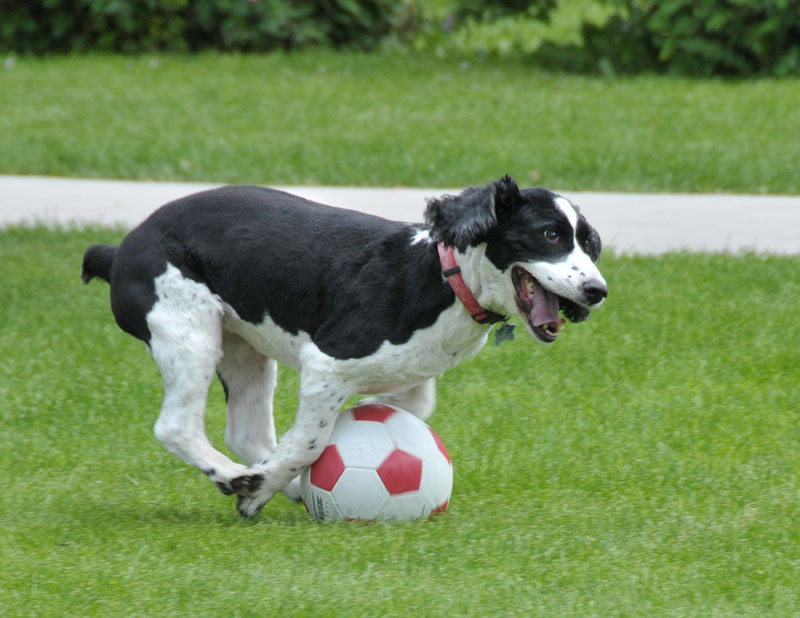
(628, 222)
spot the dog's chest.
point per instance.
(429, 351)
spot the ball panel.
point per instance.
(364, 445)
(372, 412)
(410, 434)
(341, 425)
(405, 507)
(318, 502)
(401, 472)
(439, 509)
(328, 468)
(360, 494)
(440, 445)
(437, 480)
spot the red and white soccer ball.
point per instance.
(382, 463)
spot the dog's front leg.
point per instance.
(322, 394)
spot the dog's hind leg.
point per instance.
(420, 400)
(249, 379)
(185, 326)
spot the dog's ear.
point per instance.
(465, 219)
(593, 243)
(461, 220)
(507, 196)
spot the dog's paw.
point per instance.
(244, 485)
(250, 506)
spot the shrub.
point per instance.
(45, 26)
(493, 9)
(714, 37)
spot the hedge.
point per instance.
(131, 26)
(712, 37)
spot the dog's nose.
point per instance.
(595, 291)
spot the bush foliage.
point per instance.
(493, 9)
(47, 26)
(714, 37)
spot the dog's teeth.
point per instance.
(530, 284)
(553, 328)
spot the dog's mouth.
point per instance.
(541, 306)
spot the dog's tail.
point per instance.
(97, 262)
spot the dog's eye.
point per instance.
(552, 235)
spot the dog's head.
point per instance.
(539, 246)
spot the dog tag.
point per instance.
(504, 333)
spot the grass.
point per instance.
(392, 119)
(645, 464)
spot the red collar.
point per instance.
(452, 272)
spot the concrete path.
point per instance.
(628, 222)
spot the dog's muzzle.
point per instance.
(541, 307)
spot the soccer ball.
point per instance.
(382, 463)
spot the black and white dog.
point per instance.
(235, 280)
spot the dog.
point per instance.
(235, 280)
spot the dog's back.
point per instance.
(310, 267)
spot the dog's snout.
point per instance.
(595, 291)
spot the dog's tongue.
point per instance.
(545, 307)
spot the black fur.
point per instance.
(589, 238)
(349, 280)
(465, 219)
(97, 262)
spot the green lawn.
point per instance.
(390, 119)
(646, 464)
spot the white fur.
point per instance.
(250, 379)
(268, 338)
(420, 400)
(186, 342)
(492, 289)
(564, 205)
(421, 236)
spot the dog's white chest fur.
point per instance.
(428, 353)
